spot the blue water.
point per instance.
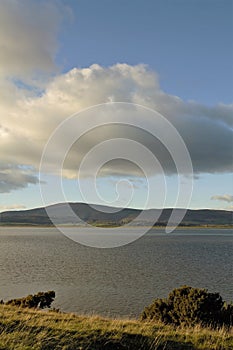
(118, 281)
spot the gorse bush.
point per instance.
(190, 306)
(40, 300)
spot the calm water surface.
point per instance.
(118, 281)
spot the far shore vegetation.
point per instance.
(114, 224)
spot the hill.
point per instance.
(103, 216)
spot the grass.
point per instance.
(26, 329)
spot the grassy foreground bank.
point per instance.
(26, 329)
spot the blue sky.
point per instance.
(189, 43)
(184, 49)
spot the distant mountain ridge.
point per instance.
(85, 212)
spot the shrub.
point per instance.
(190, 306)
(40, 300)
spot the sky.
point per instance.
(58, 58)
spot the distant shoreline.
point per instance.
(157, 227)
(83, 214)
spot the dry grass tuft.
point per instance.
(26, 329)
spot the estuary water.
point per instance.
(116, 282)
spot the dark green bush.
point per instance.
(40, 300)
(190, 306)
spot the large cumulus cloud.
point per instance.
(27, 121)
(28, 44)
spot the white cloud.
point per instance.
(226, 198)
(28, 37)
(230, 207)
(28, 120)
(12, 207)
(28, 45)
(14, 176)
